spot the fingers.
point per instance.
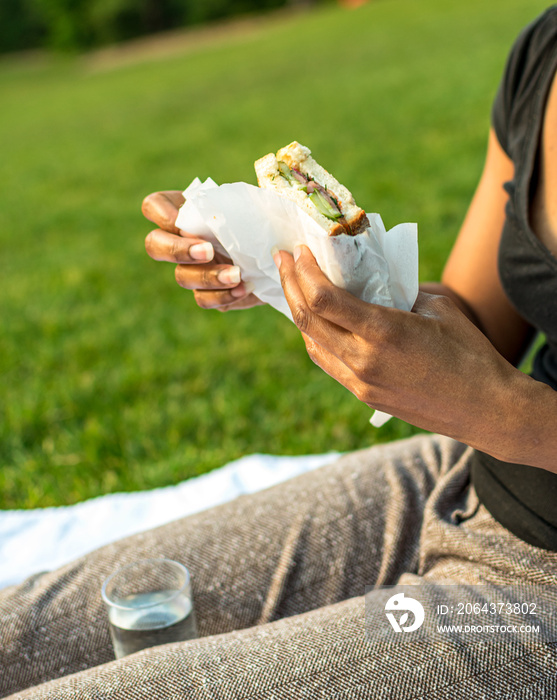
(168, 247)
(328, 362)
(216, 283)
(211, 277)
(338, 370)
(433, 305)
(224, 300)
(215, 300)
(220, 300)
(331, 336)
(162, 209)
(329, 302)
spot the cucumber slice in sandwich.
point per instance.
(323, 206)
(294, 174)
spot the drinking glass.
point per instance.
(149, 602)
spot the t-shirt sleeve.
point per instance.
(502, 107)
(515, 85)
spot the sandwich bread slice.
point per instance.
(293, 173)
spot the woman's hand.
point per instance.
(215, 282)
(431, 367)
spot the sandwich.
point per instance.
(293, 173)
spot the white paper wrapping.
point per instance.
(247, 223)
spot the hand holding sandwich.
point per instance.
(215, 282)
(432, 367)
(216, 224)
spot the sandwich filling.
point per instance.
(322, 199)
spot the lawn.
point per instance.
(111, 378)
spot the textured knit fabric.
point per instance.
(522, 497)
(278, 582)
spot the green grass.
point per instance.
(111, 378)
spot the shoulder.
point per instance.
(532, 58)
(534, 42)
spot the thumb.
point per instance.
(433, 305)
(423, 302)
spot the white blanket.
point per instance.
(46, 538)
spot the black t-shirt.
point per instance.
(524, 498)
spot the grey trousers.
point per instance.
(278, 582)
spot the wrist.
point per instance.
(530, 435)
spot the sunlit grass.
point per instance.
(111, 378)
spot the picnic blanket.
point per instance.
(43, 539)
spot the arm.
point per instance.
(470, 277)
(433, 367)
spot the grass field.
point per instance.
(111, 378)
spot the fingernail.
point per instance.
(230, 275)
(239, 291)
(277, 258)
(202, 251)
(297, 252)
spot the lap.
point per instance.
(271, 572)
(324, 653)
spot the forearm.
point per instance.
(522, 427)
(531, 412)
(432, 368)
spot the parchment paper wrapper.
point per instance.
(247, 223)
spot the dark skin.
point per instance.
(449, 365)
(211, 276)
(432, 367)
